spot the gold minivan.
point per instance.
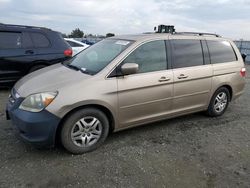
(126, 81)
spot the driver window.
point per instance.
(150, 57)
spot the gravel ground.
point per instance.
(190, 151)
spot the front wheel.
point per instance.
(219, 102)
(84, 130)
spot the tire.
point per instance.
(36, 67)
(84, 130)
(219, 102)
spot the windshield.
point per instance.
(95, 58)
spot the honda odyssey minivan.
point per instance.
(126, 81)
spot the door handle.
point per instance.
(164, 79)
(182, 76)
(29, 52)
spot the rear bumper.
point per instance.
(35, 128)
(238, 89)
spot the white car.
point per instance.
(77, 46)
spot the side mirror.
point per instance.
(129, 68)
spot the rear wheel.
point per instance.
(219, 102)
(84, 130)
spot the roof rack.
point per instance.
(23, 26)
(196, 33)
(148, 33)
(164, 29)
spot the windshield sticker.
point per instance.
(122, 42)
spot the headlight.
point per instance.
(37, 102)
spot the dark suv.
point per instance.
(24, 49)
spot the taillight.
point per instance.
(68, 52)
(243, 72)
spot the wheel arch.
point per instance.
(230, 89)
(228, 86)
(102, 108)
(38, 63)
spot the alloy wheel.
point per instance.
(220, 102)
(86, 132)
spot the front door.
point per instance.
(147, 95)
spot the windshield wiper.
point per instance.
(83, 70)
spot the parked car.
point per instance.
(126, 81)
(88, 42)
(24, 49)
(76, 46)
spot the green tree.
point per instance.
(110, 34)
(90, 35)
(76, 33)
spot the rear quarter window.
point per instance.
(221, 52)
(10, 40)
(39, 40)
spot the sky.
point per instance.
(229, 18)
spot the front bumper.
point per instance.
(36, 128)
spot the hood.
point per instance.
(51, 78)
